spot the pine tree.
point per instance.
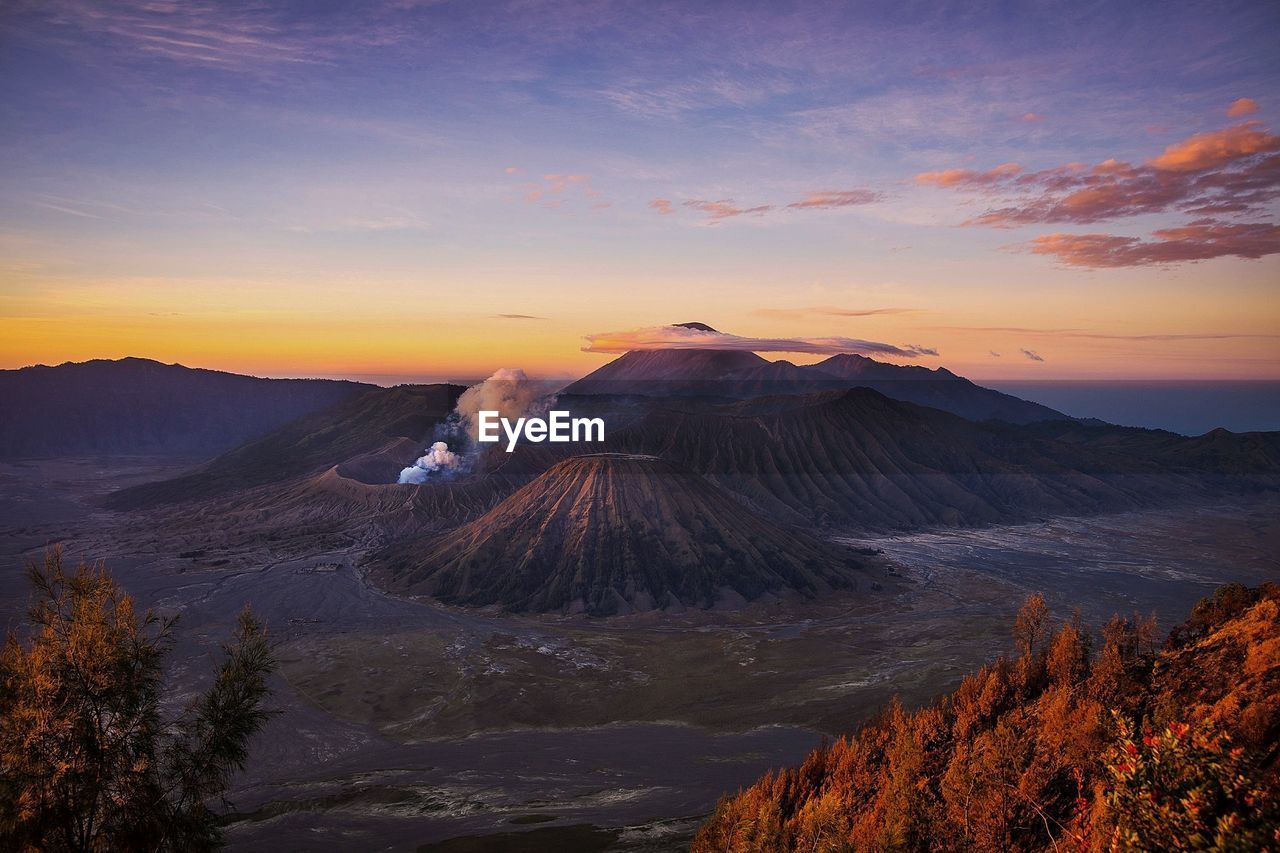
(87, 762)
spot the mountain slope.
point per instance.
(737, 374)
(938, 389)
(1129, 749)
(377, 433)
(660, 373)
(138, 406)
(610, 533)
(851, 366)
(1216, 452)
(859, 460)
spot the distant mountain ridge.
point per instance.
(140, 406)
(732, 373)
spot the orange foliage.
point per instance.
(1021, 755)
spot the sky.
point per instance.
(437, 189)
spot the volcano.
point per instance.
(738, 374)
(615, 533)
(660, 373)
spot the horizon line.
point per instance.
(382, 378)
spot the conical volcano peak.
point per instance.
(615, 532)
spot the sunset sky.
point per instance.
(438, 189)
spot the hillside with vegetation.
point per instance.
(1069, 744)
(94, 753)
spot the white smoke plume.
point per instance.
(509, 391)
(438, 457)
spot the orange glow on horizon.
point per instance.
(470, 347)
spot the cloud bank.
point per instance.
(1221, 173)
(677, 337)
(1233, 170)
(1196, 241)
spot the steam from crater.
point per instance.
(438, 457)
(509, 391)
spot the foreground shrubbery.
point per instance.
(1064, 747)
(86, 760)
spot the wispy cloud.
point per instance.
(1197, 241)
(394, 131)
(555, 185)
(968, 178)
(938, 115)
(554, 189)
(718, 211)
(727, 208)
(142, 204)
(517, 317)
(824, 199)
(1105, 336)
(70, 211)
(86, 208)
(216, 35)
(829, 311)
(679, 337)
(711, 91)
(374, 221)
